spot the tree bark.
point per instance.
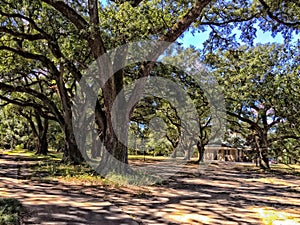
(201, 149)
(39, 130)
(174, 153)
(42, 146)
(72, 153)
(189, 150)
(115, 155)
(262, 149)
(112, 86)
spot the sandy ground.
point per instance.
(216, 194)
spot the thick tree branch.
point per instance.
(39, 108)
(30, 37)
(166, 40)
(30, 121)
(186, 21)
(43, 59)
(246, 120)
(94, 37)
(68, 13)
(95, 40)
(226, 22)
(29, 20)
(274, 17)
(42, 97)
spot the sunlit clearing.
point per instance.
(184, 217)
(271, 216)
(275, 181)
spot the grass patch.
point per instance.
(11, 211)
(85, 175)
(286, 169)
(23, 153)
(58, 169)
(276, 169)
(86, 180)
(137, 178)
(50, 168)
(147, 157)
(18, 152)
(67, 173)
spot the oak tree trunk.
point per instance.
(71, 152)
(262, 150)
(42, 145)
(115, 154)
(201, 149)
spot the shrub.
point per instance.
(11, 211)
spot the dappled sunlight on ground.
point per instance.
(276, 181)
(271, 216)
(55, 203)
(185, 217)
(218, 194)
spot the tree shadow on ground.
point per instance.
(219, 194)
(54, 203)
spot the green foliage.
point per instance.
(53, 155)
(11, 211)
(262, 93)
(20, 147)
(14, 130)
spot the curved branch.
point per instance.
(225, 23)
(167, 39)
(35, 106)
(42, 97)
(30, 37)
(186, 21)
(250, 122)
(273, 17)
(69, 13)
(43, 59)
(29, 20)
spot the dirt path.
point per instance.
(218, 194)
(55, 203)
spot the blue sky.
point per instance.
(198, 38)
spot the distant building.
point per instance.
(223, 152)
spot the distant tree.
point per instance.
(14, 131)
(261, 89)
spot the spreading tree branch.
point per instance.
(68, 13)
(30, 37)
(274, 17)
(42, 97)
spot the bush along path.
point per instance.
(11, 211)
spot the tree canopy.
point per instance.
(46, 47)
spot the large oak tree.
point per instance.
(63, 37)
